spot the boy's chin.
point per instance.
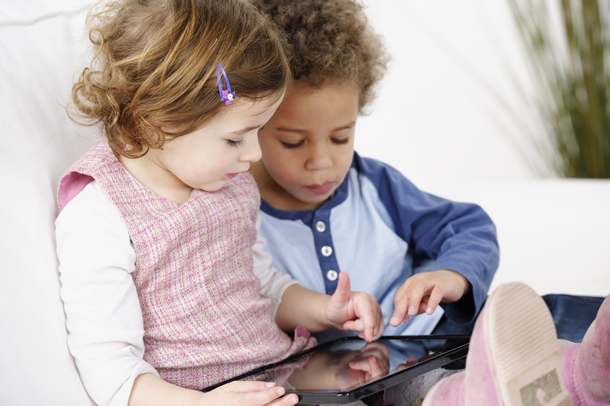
(317, 200)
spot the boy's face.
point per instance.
(308, 146)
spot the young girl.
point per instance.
(166, 287)
(334, 210)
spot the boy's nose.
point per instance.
(318, 160)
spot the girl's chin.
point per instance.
(215, 186)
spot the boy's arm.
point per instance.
(460, 237)
(424, 291)
(345, 310)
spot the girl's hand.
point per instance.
(424, 291)
(354, 311)
(248, 393)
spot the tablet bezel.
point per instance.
(340, 396)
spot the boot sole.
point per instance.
(522, 348)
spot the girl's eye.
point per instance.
(340, 141)
(291, 146)
(236, 144)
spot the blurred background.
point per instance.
(505, 103)
(491, 90)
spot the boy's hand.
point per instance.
(424, 291)
(354, 311)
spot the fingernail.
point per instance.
(412, 311)
(394, 321)
(270, 384)
(429, 310)
(280, 391)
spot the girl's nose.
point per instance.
(319, 159)
(252, 151)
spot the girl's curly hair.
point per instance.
(155, 65)
(329, 41)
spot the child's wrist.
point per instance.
(201, 401)
(325, 321)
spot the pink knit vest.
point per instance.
(204, 318)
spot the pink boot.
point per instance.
(586, 366)
(513, 359)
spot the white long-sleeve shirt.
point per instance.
(104, 319)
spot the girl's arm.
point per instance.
(104, 320)
(150, 390)
(273, 283)
(298, 306)
(345, 310)
(103, 315)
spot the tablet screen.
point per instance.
(349, 368)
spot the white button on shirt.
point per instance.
(332, 275)
(320, 226)
(327, 251)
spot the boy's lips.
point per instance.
(321, 189)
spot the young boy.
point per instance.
(325, 209)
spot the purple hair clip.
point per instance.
(226, 96)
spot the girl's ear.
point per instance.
(154, 133)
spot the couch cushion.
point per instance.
(42, 47)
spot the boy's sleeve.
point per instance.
(459, 236)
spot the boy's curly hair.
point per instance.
(155, 67)
(329, 41)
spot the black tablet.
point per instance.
(348, 369)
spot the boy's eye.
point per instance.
(236, 144)
(293, 145)
(341, 140)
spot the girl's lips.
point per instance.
(321, 189)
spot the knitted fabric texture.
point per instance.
(204, 318)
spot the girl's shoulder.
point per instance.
(92, 210)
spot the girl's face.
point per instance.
(209, 157)
(308, 146)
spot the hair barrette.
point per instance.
(227, 95)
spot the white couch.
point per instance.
(554, 234)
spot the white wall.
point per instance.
(449, 109)
(456, 114)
